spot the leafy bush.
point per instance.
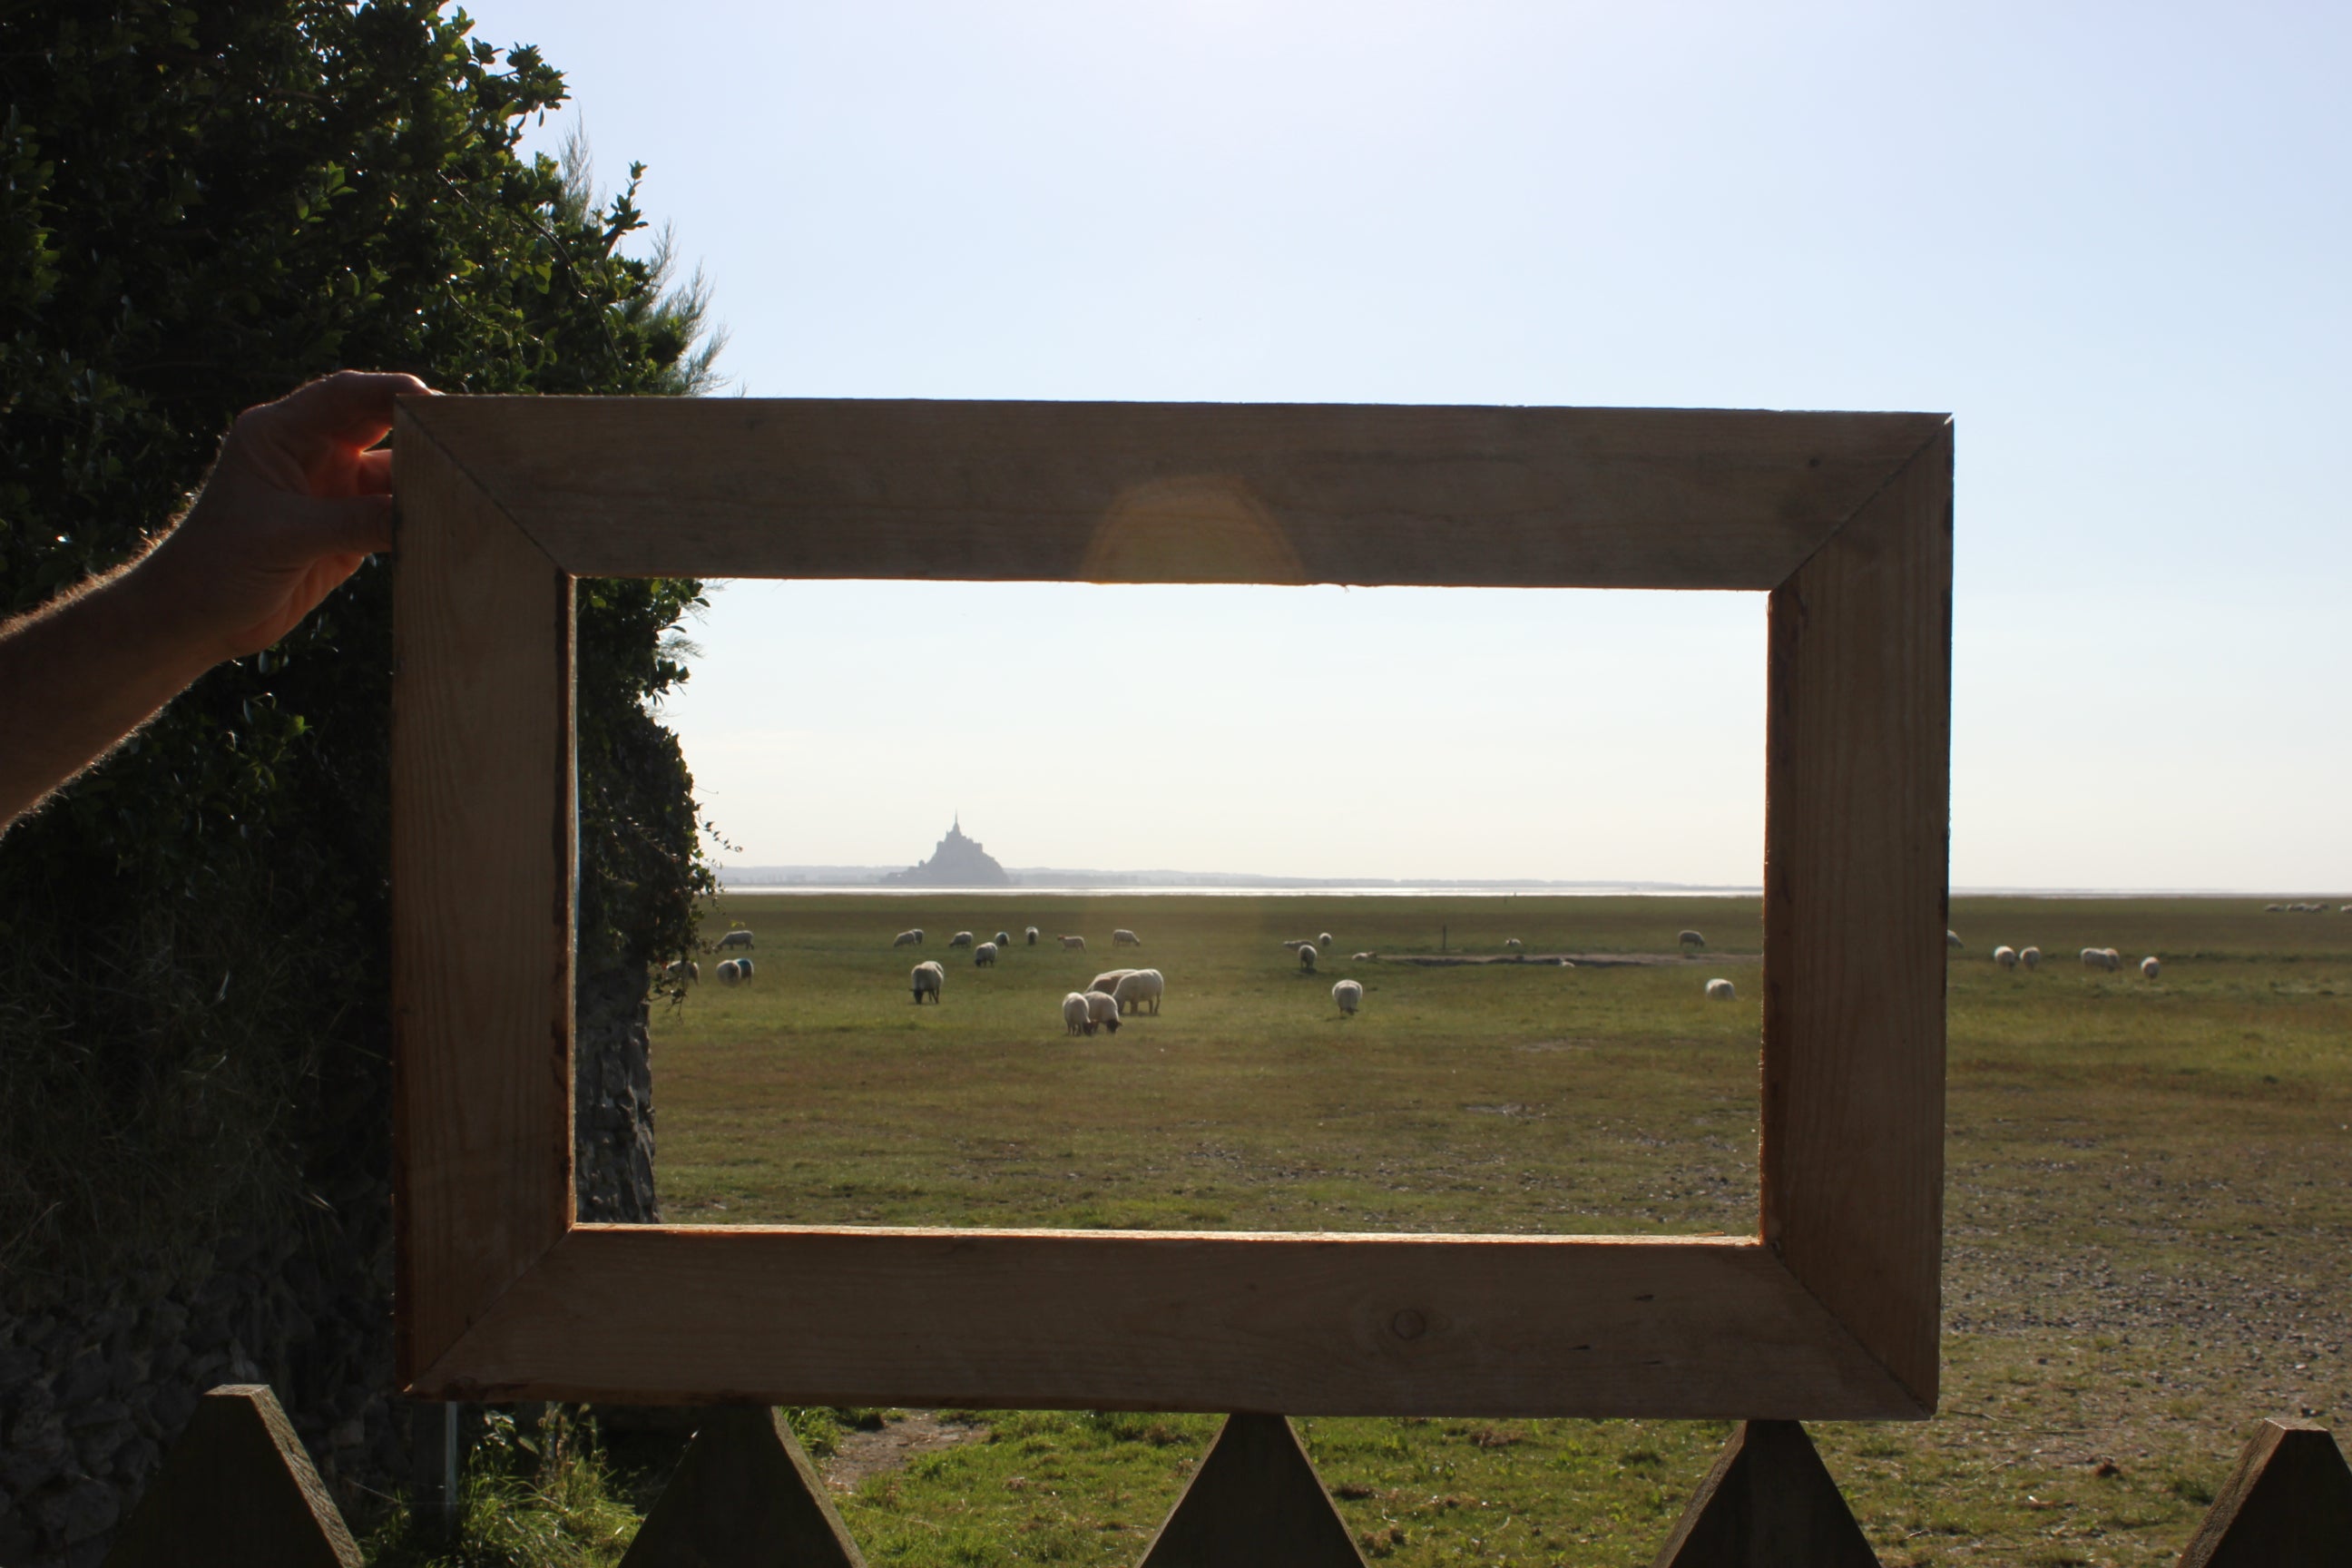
(205, 206)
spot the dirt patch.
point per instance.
(858, 1454)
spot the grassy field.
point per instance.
(2149, 1200)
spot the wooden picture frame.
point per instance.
(1830, 1312)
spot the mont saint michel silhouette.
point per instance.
(958, 862)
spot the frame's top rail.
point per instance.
(1174, 492)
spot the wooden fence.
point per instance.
(239, 1489)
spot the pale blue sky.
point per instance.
(2112, 240)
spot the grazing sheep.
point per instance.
(1350, 995)
(984, 955)
(918, 936)
(1721, 991)
(1307, 957)
(2030, 956)
(738, 937)
(1689, 939)
(1107, 981)
(733, 971)
(1324, 939)
(1512, 945)
(904, 939)
(2149, 968)
(1136, 987)
(1076, 1017)
(682, 969)
(1952, 939)
(1364, 958)
(1032, 934)
(960, 939)
(1125, 938)
(1103, 1010)
(2005, 957)
(1073, 943)
(2273, 908)
(927, 977)
(2104, 958)
(1005, 939)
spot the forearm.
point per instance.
(78, 675)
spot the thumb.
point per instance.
(346, 525)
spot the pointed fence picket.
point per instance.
(238, 1489)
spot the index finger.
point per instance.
(351, 406)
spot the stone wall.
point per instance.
(99, 1376)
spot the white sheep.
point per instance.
(682, 969)
(1349, 995)
(927, 978)
(2149, 968)
(1107, 981)
(1005, 939)
(733, 971)
(1324, 939)
(1073, 943)
(1103, 1010)
(1721, 991)
(918, 936)
(960, 939)
(1689, 939)
(738, 937)
(2030, 956)
(2005, 956)
(1306, 956)
(1125, 938)
(1364, 958)
(2273, 908)
(1513, 944)
(1032, 934)
(984, 955)
(1136, 987)
(904, 939)
(1076, 1017)
(1952, 939)
(2104, 958)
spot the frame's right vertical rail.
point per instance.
(1857, 822)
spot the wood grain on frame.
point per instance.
(1857, 814)
(1531, 498)
(482, 843)
(1831, 1313)
(1300, 1325)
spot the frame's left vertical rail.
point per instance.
(483, 845)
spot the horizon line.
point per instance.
(1065, 876)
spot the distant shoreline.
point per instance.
(1227, 890)
(1049, 880)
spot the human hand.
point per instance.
(297, 500)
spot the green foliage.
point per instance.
(203, 207)
(541, 1497)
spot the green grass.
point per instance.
(2148, 1193)
(1511, 1099)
